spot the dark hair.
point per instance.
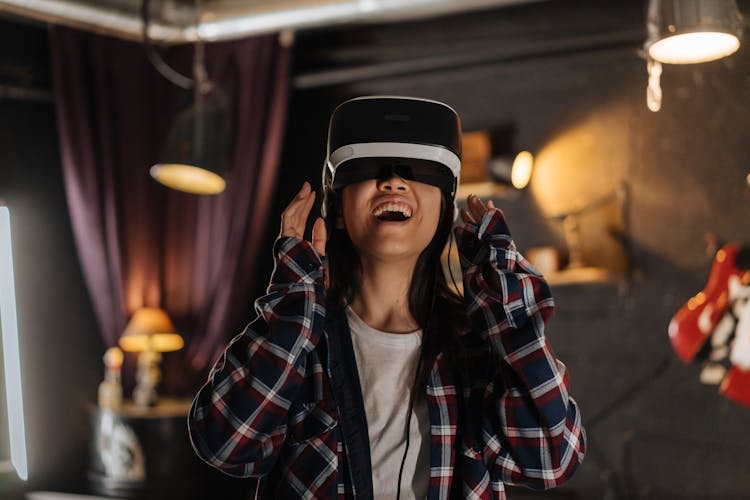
(437, 308)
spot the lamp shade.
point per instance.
(692, 31)
(150, 329)
(194, 156)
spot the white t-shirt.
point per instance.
(387, 365)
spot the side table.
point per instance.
(142, 453)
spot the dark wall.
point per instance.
(566, 76)
(59, 342)
(61, 347)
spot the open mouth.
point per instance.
(392, 212)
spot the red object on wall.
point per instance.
(694, 322)
(736, 385)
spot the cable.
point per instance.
(450, 268)
(257, 489)
(617, 485)
(406, 450)
(630, 392)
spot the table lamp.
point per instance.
(150, 332)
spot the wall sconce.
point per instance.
(513, 170)
(149, 333)
(490, 164)
(194, 157)
(610, 213)
(688, 32)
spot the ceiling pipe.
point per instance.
(608, 43)
(119, 20)
(232, 19)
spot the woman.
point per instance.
(365, 375)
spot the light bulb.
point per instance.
(523, 166)
(188, 178)
(689, 48)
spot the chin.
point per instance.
(395, 252)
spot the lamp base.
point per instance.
(143, 453)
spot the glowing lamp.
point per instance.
(150, 328)
(194, 156)
(692, 31)
(149, 333)
(516, 172)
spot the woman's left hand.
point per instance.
(477, 209)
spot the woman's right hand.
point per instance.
(294, 219)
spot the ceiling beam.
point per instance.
(178, 21)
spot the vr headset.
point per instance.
(377, 137)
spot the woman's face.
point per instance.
(390, 219)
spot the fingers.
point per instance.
(319, 236)
(294, 217)
(308, 204)
(476, 209)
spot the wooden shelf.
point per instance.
(165, 408)
(581, 276)
(485, 190)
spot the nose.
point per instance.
(393, 183)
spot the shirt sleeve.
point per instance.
(530, 428)
(238, 419)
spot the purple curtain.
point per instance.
(139, 243)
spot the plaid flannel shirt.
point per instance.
(269, 408)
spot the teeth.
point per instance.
(392, 207)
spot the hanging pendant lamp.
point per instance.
(692, 31)
(194, 156)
